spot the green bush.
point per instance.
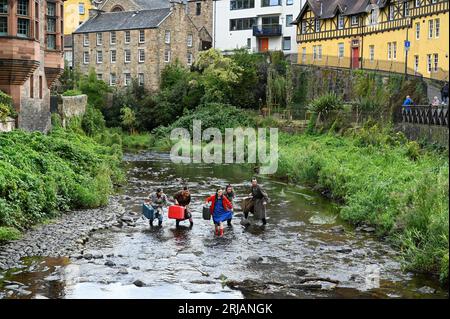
(42, 175)
(72, 93)
(9, 233)
(93, 121)
(384, 181)
(6, 106)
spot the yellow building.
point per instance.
(375, 34)
(75, 13)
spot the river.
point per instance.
(304, 239)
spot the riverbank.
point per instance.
(42, 176)
(62, 237)
(382, 181)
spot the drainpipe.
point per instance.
(214, 24)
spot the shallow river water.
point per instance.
(303, 239)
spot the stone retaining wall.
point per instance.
(8, 125)
(71, 106)
(429, 133)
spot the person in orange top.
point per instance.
(220, 210)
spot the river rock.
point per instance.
(98, 255)
(126, 219)
(110, 263)
(368, 229)
(338, 229)
(12, 287)
(139, 283)
(123, 271)
(344, 250)
(426, 290)
(301, 272)
(88, 256)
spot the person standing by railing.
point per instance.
(408, 103)
(444, 93)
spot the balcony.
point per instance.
(267, 30)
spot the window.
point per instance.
(270, 3)
(418, 3)
(429, 63)
(354, 20)
(22, 7)
(340, 22)
(23, 28)
(32, 86)
(189, 40)
(317, 24)
(99, 76)
(167, 56)
(51, 26)
(167, 37)
(430, 29)
(289, 2)
(141, 55)
(391, 12)
(289, 19)
(113, 37)
(51, 41)
(141, 79)
(389, 51)
(198, 8)
(189, 58)
(81, 9)
(86, 39)
(394, 50)
(303, 54)
(319, 54)
(249, 43)
(127, 55)
(303, 27)
(270, 20)
(86, 57)
(99, 38)
(127, 37)
(373, 18)
(416, 63)
(436, 62)
(406, 8)
(112, 79)
(372, 53)
(141, 36)
(417, 30)
(113, 56)
(99, 57)
(241, 4)
(314, 52)
(340, 50)
(3, 6)
(286, 43)
(127, 79)
(41, 87)
(437, 27)
(242, 24)
(3, 25)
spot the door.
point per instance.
(264, 44)
(355, 57)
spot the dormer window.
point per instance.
(340, 22)
(303, 27)
(354, 20)
(373, 18)
(317, 25)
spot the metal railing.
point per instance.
(425, 114)
(267, 30)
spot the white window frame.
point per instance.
(141, 36)
(320, 52)
(100, 76)
(406, 12)
(111, 82)
(436, 62)
(190, 40)
(167, 37)
(290, 43)
(86, 39)
(341, 50)
(141, 79)
(317, 25)
(86, 57)
(394, 50)
(99, 38)
(111, 37)
(389, 47)
(304, 54)
(189, 58)
(141, 58)
(128, 79)
(303, 27)
(113, 55)
(372, 53)
(127, 37)
(437, 28)
(391, 12)
(167, 56)
(429, 63)
(416, 63)
(354, 20)
(417, 29)
(127, 55)
(430, 28)
(341, 22)
(99, 56)
(314, 52)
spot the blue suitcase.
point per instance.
(148, 211)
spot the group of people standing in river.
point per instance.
(221, 208)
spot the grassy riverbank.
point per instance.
(43, 175)
(384, 181)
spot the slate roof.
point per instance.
(68, 41)
(126, 20)
(153, 4)
(330, 8)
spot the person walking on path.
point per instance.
(220, 210)
(408, 103)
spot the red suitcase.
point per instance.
(176, 212)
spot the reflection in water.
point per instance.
(299, 241)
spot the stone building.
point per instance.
(31, 58)
(126, 45)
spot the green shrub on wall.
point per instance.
(6, 106)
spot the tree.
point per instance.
(94, 88)
(128, 118)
